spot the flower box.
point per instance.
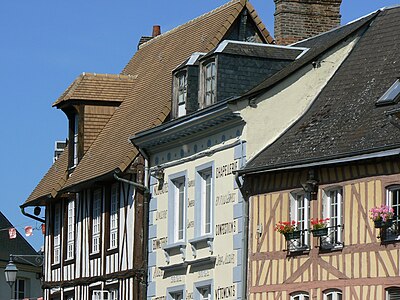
(379, 223)
(320, 232)
(292, 235)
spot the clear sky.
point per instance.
(46, 44)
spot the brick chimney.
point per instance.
(145, 39)
(296, 20)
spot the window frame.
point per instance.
(17, 286)
(114, 217)
(171, 291)
(200, 285)
(174, 207)
(390, 289)
(96, 221)
(201, 200)
(303, 243)
(204, 102)
(335, 231)
(301, 295)
(70, 234)
(388, 236)
(178, 91)
(57, 211)
(334, 293)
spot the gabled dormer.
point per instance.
(89, 102)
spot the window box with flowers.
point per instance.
(382, 216)
(319, 227)
(288, 229)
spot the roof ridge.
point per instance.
(107, 75)
(232, 2)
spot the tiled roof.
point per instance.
(344, 121)
(54, 179)
(97, 87)
(148, 102)
(12, 246)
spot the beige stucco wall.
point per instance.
(281, 106)
(225, 197)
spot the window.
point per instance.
(393, 293)
(393, 200)
(204, 292)
(181, 94)
(96, 220)
(176, 295)
(113, 294)
(176, 208)
(333, 203)
(299, 296)
(391, 96)
(20, 288)
(57, 233)
(300, 212)
(333, 295)
(75, 143)
(209, 84)
(114, 217)
(71, 229)
(204, 201)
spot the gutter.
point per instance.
(31, 216)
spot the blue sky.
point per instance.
(46, 44)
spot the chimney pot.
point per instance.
(156, 30)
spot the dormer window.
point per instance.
(180, 95)
(209, 83)
(75, 141)
(391, 96)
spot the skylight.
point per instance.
(391, 96)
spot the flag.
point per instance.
(28, 230)
(43, 228)
(12, 233)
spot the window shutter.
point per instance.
(394, 293)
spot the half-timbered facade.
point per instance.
(336, 163)
(94, 193)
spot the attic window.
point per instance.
(180, 94)
(209, 84)
(391, 96)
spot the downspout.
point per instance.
(31, 216)
(245, 236)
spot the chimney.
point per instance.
(296, 20)
(145, 39)
(156, 30)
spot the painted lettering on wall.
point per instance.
(161, 215)
(190, 203)
(228, 258)
(225, 292)
(226, 170)
(191, 183)
(176, 278)
(189, 296)
(226, 228)
(159, 243)
(204, 273)
(158, 273)
(190, 224)
(225, 199)
(160, 190)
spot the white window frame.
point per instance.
(57, 234)
(393, 193)
(334, 294)
(210, 83)
(177, 201)
(392, 292)
(300, 296)
(71, 229)
(114, 209)
(206, 191)
(113, 294)
(333, 198)
(181, 93)
(296, 214)
(96, 220)
(75, 145)
(17, 287)
(100, 295)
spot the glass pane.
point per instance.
(181, 209)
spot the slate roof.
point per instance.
(12, 246)
(148, 102)
(97, 87)
(344, 121)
